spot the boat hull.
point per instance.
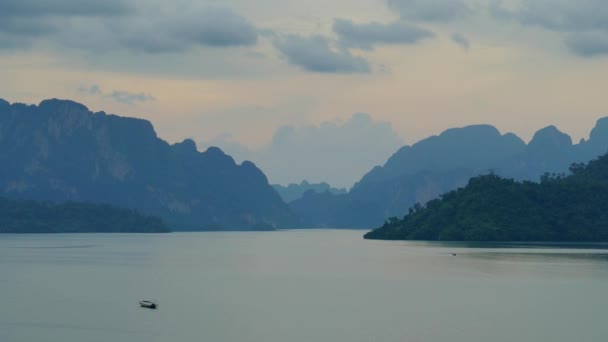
(148, 305)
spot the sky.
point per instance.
(343, 82)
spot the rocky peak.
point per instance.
(4, 105)
(472, 132)
(549, 139)
(217, 156)
(188, 146)
(599, 133)
(62, 106)
(251, 169)
(471, 147)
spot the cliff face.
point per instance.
(59, 150)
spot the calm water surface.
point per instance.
(297, 286)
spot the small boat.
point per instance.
(148, 304)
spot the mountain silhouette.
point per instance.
(59, 151)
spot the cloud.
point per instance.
(461, 40)
(366, 36)
(336, 152)
(214, 27)
(41, 8)
(315, 54)
(588, 44)
(563, 15)
(9, 42)
(583, 23)
(130, 98)
(221, 27)
(120, 96)
(23, 21)
(90, 90)
(115, 25)
(430, 10)
(22, 28)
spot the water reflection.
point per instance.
(527, 245)
(541, 257)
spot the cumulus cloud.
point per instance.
(121, 96)
(366, 36)
(315, 54)
(461, 40)
(430, 10)
(311, 151)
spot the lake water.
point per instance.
(296, 286)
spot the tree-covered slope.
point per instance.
(24, 216)
(491, 208)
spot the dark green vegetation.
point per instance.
(491, 208)
(293, 192)
(23, 216)
(60, 151)
(438, 164)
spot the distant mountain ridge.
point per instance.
(490, 208)
(59, 150)
(438, 164)
(472, 147)
(293, 191)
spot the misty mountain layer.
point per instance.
(438, 164)
(293, 191)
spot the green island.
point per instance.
(26, 216)
(560, 208)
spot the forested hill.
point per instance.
(22, 216)
(491, 208)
